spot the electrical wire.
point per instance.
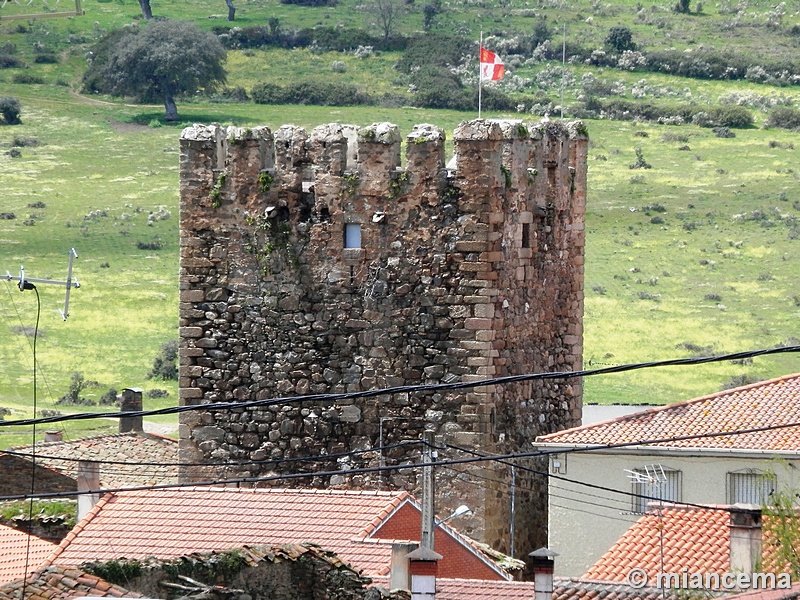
(410, 388)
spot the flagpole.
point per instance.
(480, 76)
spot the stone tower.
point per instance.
(317, 264)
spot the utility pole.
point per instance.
(428, 490)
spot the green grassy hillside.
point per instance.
(694, 255)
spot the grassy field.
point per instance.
(693, 256)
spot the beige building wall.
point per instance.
(584, 522)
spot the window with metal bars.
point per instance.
(750, 486)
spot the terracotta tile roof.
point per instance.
(763, 404)
(563, 589)
(359, 526)
(13, 552)
(574, 588)
(136, 452)
(172, 522)
(696, 540)
(57, 583)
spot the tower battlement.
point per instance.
(324, 263)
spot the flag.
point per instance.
(492, 67)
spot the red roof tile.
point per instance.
(166, 523)
(134, 459)
(695, 540)
(760, 405)
(16, 554)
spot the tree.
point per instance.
(231, 9)
(620, 39)
(160, 61)
(147, 13)
(682, 6)
(386, 13)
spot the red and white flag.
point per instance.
(492, 67)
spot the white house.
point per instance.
(735, 446)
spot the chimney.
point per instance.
(88, 479)
(745, 538)
(423, 565)
(542, 563)
(399, 568)
(131, 402)
(53, 436)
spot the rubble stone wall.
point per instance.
(318, 264)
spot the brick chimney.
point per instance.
(131, 402)
(542, 564)
(745, 536)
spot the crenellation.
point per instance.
(317, 264)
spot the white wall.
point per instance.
(584, 522)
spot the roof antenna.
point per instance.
(26, 283)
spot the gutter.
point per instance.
(669, 451)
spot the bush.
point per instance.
(27, 78)
(165, 365)
(434, 50)
(315, 93)
(10, 62)
(73, 396)
(724, 116)
(784, 118)
(110, 397)
(620, 39)
(9, 109)
(46, 59)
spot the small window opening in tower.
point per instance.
(526, 235)
(352, 235)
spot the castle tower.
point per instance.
(319, 264)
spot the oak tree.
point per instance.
(159, 61)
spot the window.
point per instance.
(526, 235)
(352, 235)
(750, 487)
(657, 483)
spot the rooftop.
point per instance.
(18, 548)
(359, 526)
(695, 540)
(134, 459)
(767, 404)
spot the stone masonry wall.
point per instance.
(316, 263)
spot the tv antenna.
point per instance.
(654, 475)
(26, 283)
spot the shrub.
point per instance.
(723, 132)
(9, 109)
(165, 365)
(724, 116)
(110, 397)
(10, 62)
(27, 78)
(311, 2)
(620, 39)
(784, 118)
(73, 395)
(315, 93)
(434, 50)
(338, 66)
(46, 59)
(154, 245)
(640, 163)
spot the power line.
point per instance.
(410, 388)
